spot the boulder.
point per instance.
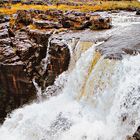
(138, 12)
(23, 17)
(99, 22)
(73, 21)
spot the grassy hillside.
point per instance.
(89, 6)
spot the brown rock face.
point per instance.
(15, 88)
(99, 22)
(21, 55)
(59, 57)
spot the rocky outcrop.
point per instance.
(98, 22)
(21, 55)
(16, 88)
(57, 60)
(56, 19)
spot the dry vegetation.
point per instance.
(98, 5)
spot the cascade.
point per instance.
(97, 99)
(124, 18)
(45, 61)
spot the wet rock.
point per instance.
(13, 81)
(59, 58)
(123, 41)
(21, 55)
(80, 21)
(54, 13)
(31, 50)
(19, 58)
(130, 138)
(99, 22)
(136, 135)
(115, 11)
(138, 12)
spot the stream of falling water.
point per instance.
(99, 101)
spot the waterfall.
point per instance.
(99, 101)
(46, 61)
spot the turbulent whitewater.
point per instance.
(99, 100)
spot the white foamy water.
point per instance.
(124, 18)
(99, 101)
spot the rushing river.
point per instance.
(99, 99)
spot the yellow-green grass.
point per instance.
(98, 5)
